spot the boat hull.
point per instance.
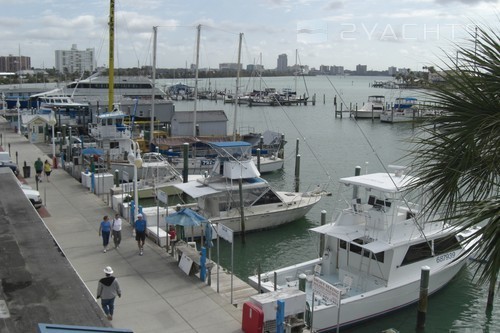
(361, 308)
(262, 217)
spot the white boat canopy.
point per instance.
(384, 182)
(349, 234)
(195, 190)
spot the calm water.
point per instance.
(330, 148)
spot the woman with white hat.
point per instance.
(107, 290)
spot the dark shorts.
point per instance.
(48, 173)
(140, 236)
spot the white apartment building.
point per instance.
(75, 61)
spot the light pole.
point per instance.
(18, 106)
(134, 158)
(52, 122)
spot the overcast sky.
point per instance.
(379, 34)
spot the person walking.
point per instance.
(38, 169)
(140, 226)
(47, 169)
(107, 290)
(117, 230)
(105, 231)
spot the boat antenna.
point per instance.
(111, 87)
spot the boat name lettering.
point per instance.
(447, 256)
(207, 162)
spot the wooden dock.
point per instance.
(241, 290)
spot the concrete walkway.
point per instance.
(156, 295)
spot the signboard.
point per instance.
(162, 196)
(225, 233)
(185, 263)
(328, 292)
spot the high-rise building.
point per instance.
(392, 70)
(282, 63)
(75, 61)
(13, 64)
(337, 70)
(255, 68)
(361, 69)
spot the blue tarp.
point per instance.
(186, 217)
(92, 151)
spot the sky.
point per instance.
(401, 33)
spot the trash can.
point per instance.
(26, 171)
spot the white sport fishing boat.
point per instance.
(373, 254)
(371, 109)
(218, 193)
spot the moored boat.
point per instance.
(371, 109)
(218, 193)
(373, 254)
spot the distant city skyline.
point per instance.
(402, 33)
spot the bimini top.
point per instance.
(386, 182)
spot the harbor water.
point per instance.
(331, 147)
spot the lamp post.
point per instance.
(18, 106)
(134, 158)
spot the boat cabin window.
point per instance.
(446, 244)
(114, 144)
(357, 249)
(417, 253)
(371, 200)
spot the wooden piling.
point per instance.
(357, 172)
(422, 301)
(297, 173)
(242, 211)
(258, 159)
(322, 236)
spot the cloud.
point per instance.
(467, 2)
(334, 5)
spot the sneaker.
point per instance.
(104, 251)
(141, 253)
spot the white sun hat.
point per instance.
(108, 270)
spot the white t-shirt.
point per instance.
(117, 224)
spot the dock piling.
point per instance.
(422, 301)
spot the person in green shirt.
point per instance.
(39, 169)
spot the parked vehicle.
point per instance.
(11, 165)
(5, 156)
(32, 195)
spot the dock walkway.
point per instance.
(156, 295)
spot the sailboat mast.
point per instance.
(237, 88)
(151, 135)
(296, 68)
(111, 88)
(198, 28)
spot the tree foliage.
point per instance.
(457, 154)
